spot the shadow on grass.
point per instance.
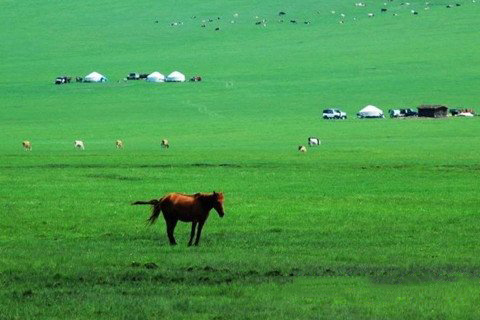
(130, 166)
(138, 272)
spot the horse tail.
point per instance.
(152, 202)
(157, 208)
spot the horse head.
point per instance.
(217, 203)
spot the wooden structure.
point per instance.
(432, 111)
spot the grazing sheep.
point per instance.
(165, 144)
(371, 15)
(79, 144)
(119, 144)
(302, 149)
(27, 145)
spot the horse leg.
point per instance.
(170, 228)
(192, 234)
(199, 232)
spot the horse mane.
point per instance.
(205, 198)
(195, 195)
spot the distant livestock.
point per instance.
(383, 10)
(27, 145)
(119, 144)
(371, 15)
(302, 149)
(165, 144)
(313, 141)
(195, 79)
(79, 144)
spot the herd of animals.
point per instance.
(80, 144)
(427, 5)
(119, 144)
(195, 208)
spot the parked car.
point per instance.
(465, 114)
(133, 76)
(454, 112)
(396, 113)
(63, 80)
(334, 114)
(462, 112)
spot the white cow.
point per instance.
(302, 149)
(313, 141)
(165, 144)
(79, 144)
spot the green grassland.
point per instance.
(379, 222)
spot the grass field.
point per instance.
(379, 222)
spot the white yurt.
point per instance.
(370, 112)
(175, 76)
(156, 77)
(95, 77)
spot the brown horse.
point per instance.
(187, 208)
